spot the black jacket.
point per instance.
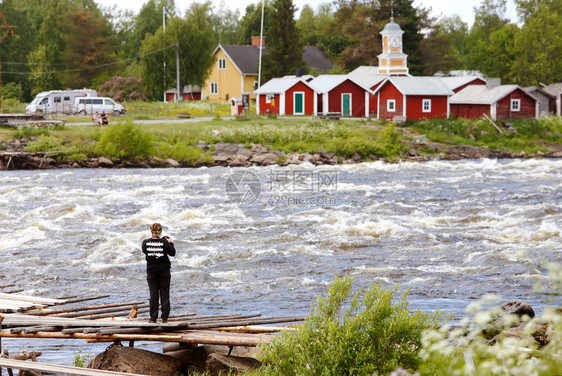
(157, 251)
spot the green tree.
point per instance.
(196, 43)
(527, 8)
(40, 77)
(308, 26)
(90, 47)
(488, 18)
(538, 48)
(284, 51)
(226, 26)
(147, 22)
(250, 24)
(362, 21)
(437, 51)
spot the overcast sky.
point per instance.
(463, 8)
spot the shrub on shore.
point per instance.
(364, 334)
(124, 141)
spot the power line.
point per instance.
(89, 68)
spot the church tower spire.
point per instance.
(392, 60)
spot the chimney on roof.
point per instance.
(300, 72)
(256, 41)
(493, 82)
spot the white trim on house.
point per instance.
(282, 103)
(390, 108)
(350, 104)
(515, 105)
(426, 105)
(214, 85)
(295, 102)
(221, 61)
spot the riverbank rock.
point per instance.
(226, 364)
(131, 360)
(196, 359)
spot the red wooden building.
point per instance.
(286, 96)
(458, 83)
(412, 98)
(340, 94)
(189, 93)
(500, 103)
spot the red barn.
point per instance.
(458, 83)
(189, 93)
(412, 98)
(286, 96)
(500, 103)
(340, 94)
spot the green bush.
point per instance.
(124, 141)
(360, 335)
(46, 144)
(183, 153)
(26, 132)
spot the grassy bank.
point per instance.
(369, 139)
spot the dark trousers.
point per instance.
(159, 287)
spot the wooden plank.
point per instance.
(48, 312)
(83, 299)
(196, 336)
(58, 369)
(29, 298)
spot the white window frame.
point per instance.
(516, 105)
(269, 97)
(221, 63)
(214, 88)
(426, 105)
(391, 105)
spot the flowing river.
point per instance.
(269, 240)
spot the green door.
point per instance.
(346, 104)
(299, 104)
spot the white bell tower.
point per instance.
(392, 60)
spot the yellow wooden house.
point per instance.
(235, 70)
(234, 73)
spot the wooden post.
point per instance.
(1, 319)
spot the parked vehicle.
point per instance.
(57, 101)
(91, 105)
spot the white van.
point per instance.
(90, 105)
(57, 101)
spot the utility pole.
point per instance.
(261, 49)
(178, 98)
(164, 29)
(9, 31)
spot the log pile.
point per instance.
(32, 317)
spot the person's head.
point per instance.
(156, 229)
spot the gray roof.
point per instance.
(554, 89)
(419, 85)
(246, 58)
(481, 94)
(391, 27)
(187, 89)
(535, 90)
(326, 82)
(458, 81)
(317, 59)
(281, 85)
(367, 75)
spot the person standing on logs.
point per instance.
(157, 249)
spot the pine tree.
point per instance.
(284, 47)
